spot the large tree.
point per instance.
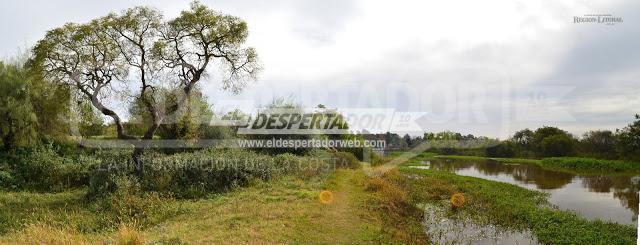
(137, 53)
(629, 141)
(599, 143)
(18, 120)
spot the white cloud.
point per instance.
(462, 59)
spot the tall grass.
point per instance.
(195, 174)
(401, 218)
(43, 169)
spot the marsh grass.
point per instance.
(577, 165)
(588, 164)
(401, 219)
(498, 159)
(513, 207)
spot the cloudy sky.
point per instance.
(480, 67)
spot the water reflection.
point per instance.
(604, 197)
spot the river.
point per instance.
(605, 197)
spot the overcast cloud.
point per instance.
(481, 67)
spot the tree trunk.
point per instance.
(137, 161)
(141, 146)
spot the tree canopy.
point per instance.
(18, 123)
(137, 53)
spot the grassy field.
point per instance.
(284, 210)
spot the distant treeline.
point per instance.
(35, 111)
(623, 144)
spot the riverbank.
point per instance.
(510, 207)
(499, 159)
(589, 164)
(579, 165)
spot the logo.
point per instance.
(605, 19)
(341, 121)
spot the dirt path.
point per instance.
(346, 219)
(283, 211)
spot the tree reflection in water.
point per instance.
(623, 188)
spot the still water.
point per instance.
(604, 197)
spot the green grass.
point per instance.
(499, 159)
(588, 164)
(515, 207)
(279, 212)
(576, 165)
(422, 154)
(285, 210)
(69, 209)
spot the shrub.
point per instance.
(381, 161)
(628, 146)
(129, 204)
(346, 160)
(503, 149)
(556, 145)
(43, 169)
(194, 174)
(599, 144)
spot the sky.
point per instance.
(479, 67)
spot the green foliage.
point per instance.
(556, 145)
(18, 120)
(346, 160)
(543, 142)
(196, 174)
(599, 144)
(70, 210)
(628, 146)
(31, 108)
(552, 142)
(138, 46)
(504, 149)
(523, 137)
(377, 160)
(91, 122)
(187, 121)
(129, 204)
(578, 163)
(499, 159)
(43, 169)
(546, 131)
(19, 209)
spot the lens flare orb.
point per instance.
(326, 197)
